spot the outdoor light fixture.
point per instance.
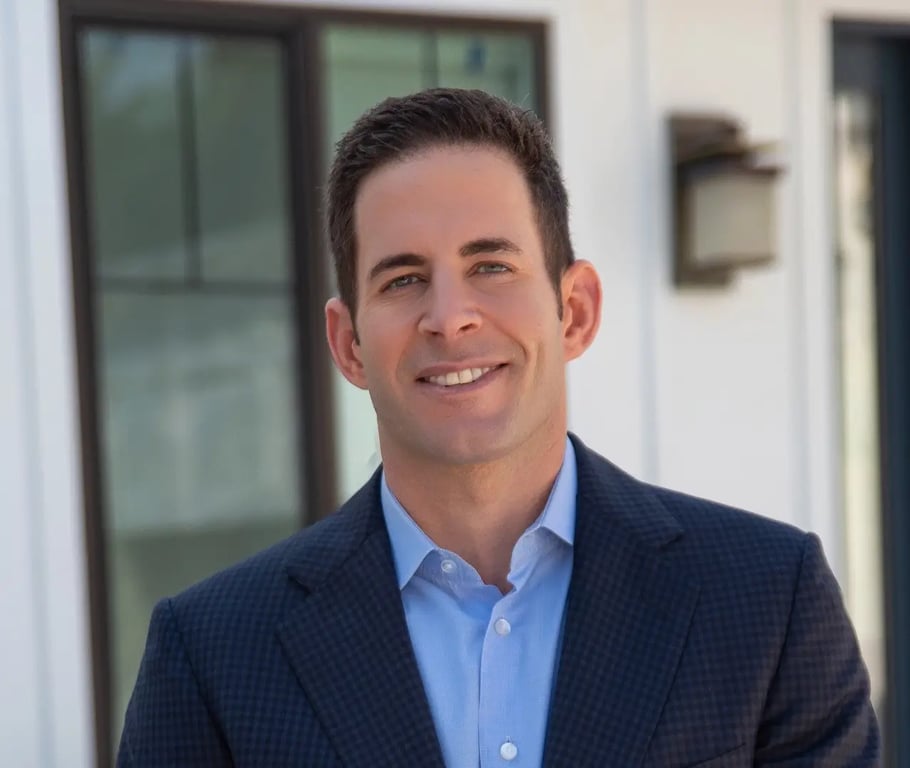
(724, 200)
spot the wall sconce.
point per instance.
(724, 201)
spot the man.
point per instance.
(497, 594)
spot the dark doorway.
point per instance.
(872, 110)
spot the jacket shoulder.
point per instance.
(713, 523)
(258, 587)
(718, 542)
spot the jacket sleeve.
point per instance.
(167, 721)
(818, 710)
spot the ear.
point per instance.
(343, 343)
(581, 305)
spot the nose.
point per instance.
(450, 310)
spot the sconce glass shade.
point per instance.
(724, 200)
(732, 221)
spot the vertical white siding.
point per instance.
(20, 620)
(598, 89)
(724, 358)
(45, 707)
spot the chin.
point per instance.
(471, 447)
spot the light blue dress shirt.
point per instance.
(488, 660)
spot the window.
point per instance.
(186, 153)
(197, 143)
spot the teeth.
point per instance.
(466, 376)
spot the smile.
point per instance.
(457, 378)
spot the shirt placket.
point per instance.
(499, 709)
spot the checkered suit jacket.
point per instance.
(695, 635)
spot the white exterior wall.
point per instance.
(730, 394)
(45, 694)
(728, 374)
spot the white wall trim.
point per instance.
(46, 310)
(20, 598)
(792, 86)
(819, 300)
(651, 156)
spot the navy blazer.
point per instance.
(695, 635)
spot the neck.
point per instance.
(478, 511)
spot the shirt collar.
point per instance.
(410, 545)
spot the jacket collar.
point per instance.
(348, 641)
(627, 618)
(626, 621)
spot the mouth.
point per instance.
(462, 378)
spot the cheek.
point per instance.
(532, 319)
(382, 346)
(530, 295)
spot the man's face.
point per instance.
(459, 339)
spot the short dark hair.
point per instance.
(403, 126)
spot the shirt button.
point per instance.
(448, 566)
(508, 751)
(503, 628)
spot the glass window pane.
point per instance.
(363, 65)
(238, 97)
(497, 63)
(197, 403)
(133, 154)
(193, 314)
(199, 447)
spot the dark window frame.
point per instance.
(299, 31)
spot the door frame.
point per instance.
(883, 49)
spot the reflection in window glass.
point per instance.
(365, 64)
(854, 130)
(197, 394)
(134, 155)
(237, 100)
(499, 64)
(186, 142)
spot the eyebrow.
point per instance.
(488, 245)
(394, 262)
(472, 248)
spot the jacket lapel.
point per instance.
(627, 618)
(348, 642)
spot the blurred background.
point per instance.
(167, 403)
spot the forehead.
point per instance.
(440, 198)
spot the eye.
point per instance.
(402, 281)
(492, 268)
